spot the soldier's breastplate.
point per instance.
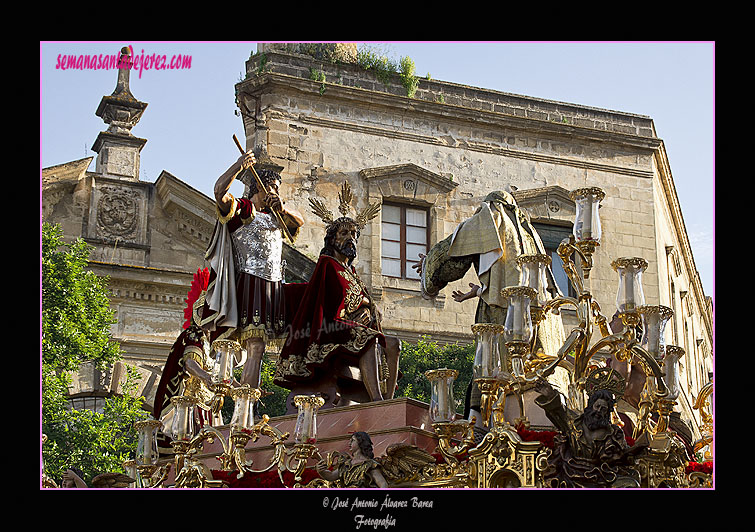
(257, 248)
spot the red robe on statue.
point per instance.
(323, 331)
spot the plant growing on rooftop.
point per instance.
(408, 79)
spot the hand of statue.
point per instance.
(418, 265)
(363, 316)
(544, 388)
(322, 469)
(273, 201)
(463, 296)
(246, 161)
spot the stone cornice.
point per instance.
(142, 272)
(174, 193)
(118, 139)
(254, 87)
(272, 81)
(559, 192)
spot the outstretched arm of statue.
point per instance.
(550, 400)
(193, 367)
(460, 296)
(223, 197)
(324, 472)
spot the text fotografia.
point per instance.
(136, 62)
(357, 505)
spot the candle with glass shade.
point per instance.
(143, 467)
(486, 367)
(227, 352)
(533, 267)
(654, 319)
(630, 295)
(305, 431)
(587, 230)
(442, 409)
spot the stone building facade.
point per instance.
(430, 159)
(436, 154)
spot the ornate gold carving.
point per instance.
(487, 327)
(623, 262)
(353, 298)
(525, 291)
(441, 373)
(605, 379)
(345, 198)
(587, 191)
(537, 258)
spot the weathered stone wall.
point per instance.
(478, 140)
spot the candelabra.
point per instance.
(144, 468)
(505, 359)
(186, 444)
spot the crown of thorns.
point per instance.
(345, 198)
(605, 379)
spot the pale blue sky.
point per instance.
(190, 116)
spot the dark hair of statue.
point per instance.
(365, 443)
(266, 176)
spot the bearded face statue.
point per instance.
(597, 415)
(342, 237)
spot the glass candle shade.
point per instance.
(533, 273)
(518, 325)
(146, 444)
(654, 320)
(225, 360)
(671, 371)
(182, 427)
(442, 409)
(629, 295)
(487, 359)
(587, 219)
(244, 398)
(306, 422)
(133, 472)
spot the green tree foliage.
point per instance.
(76, 314)
(426, 355)
(76, 320)
(275, 403)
